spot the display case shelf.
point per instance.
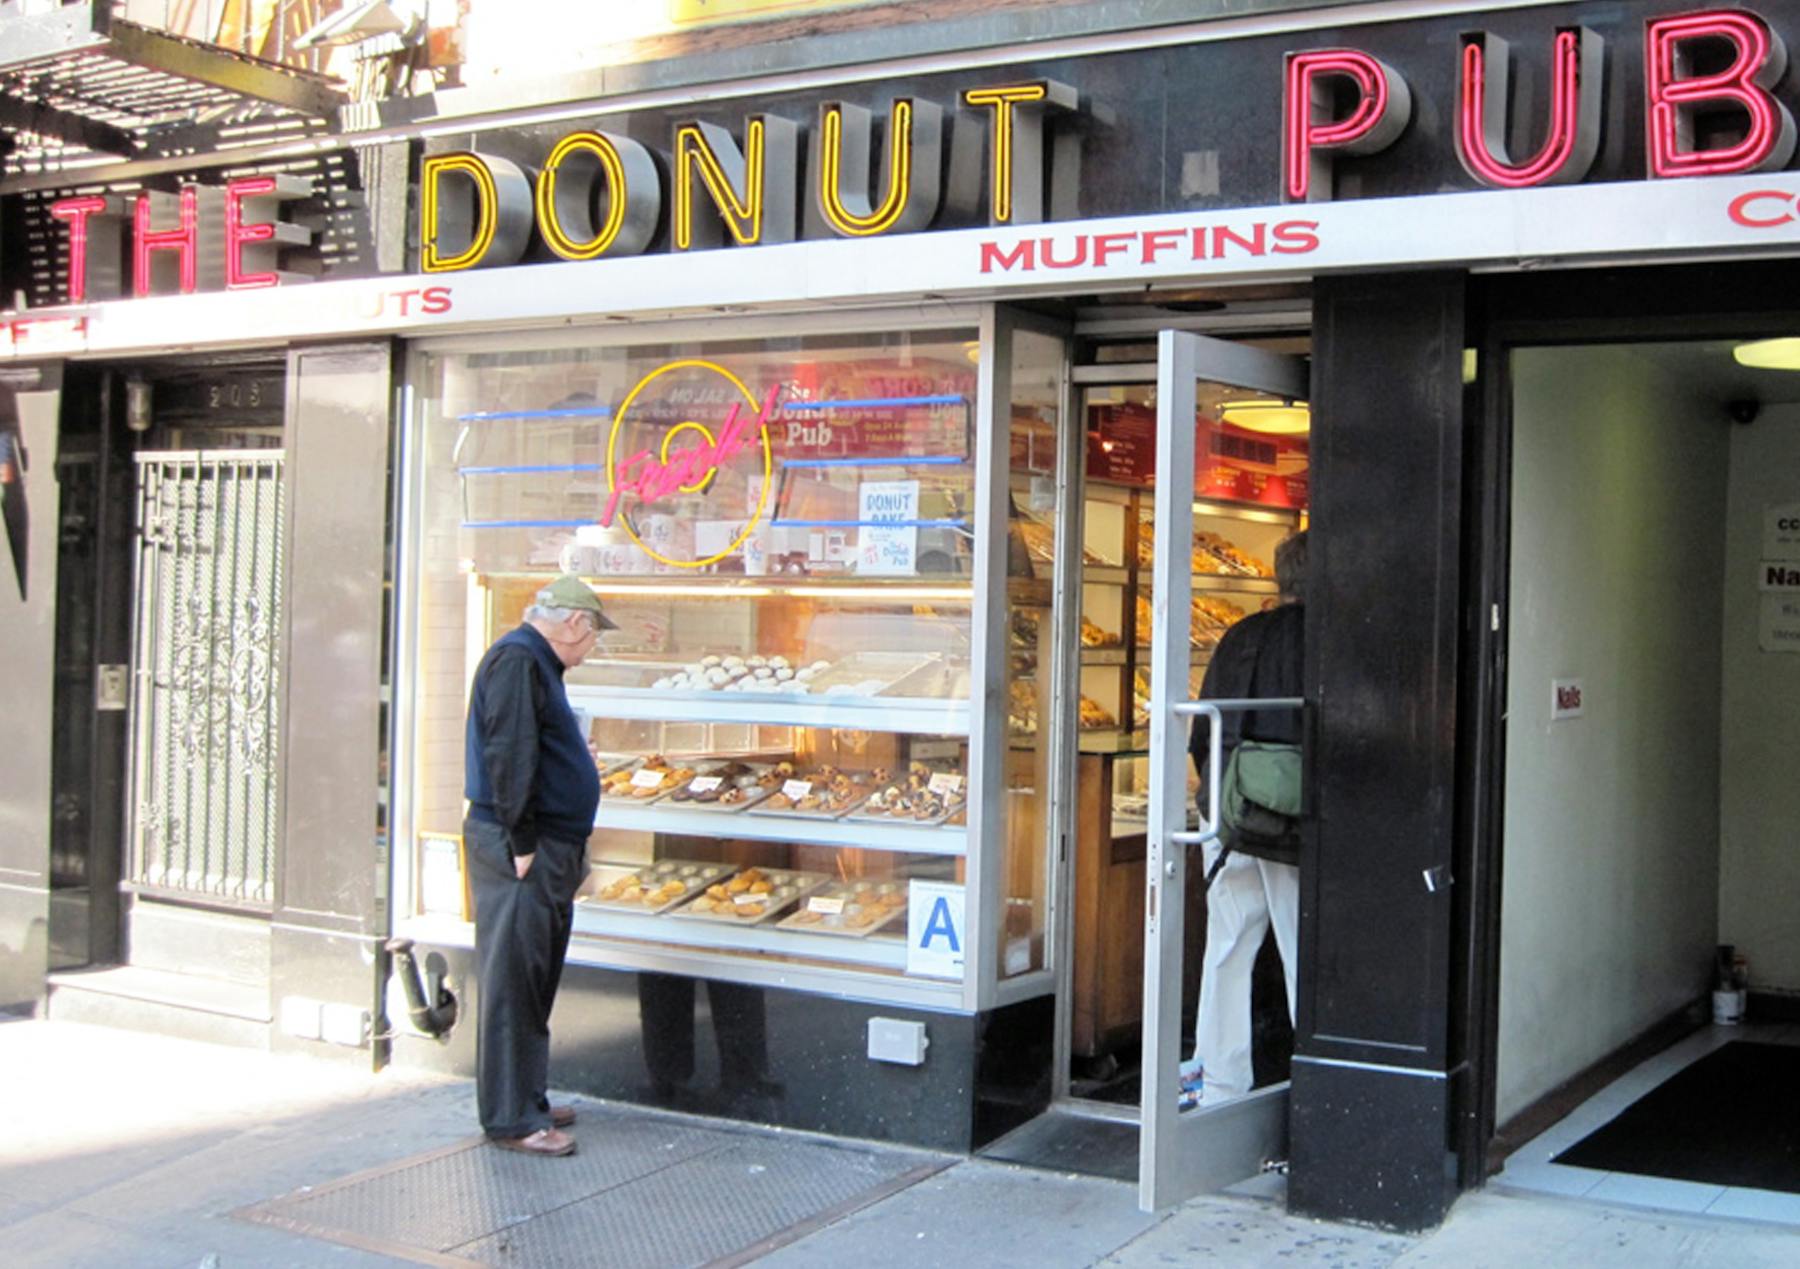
(878, 951)
(1111, 740)
(1221, 582)
(835, 585)
(910, 715)
(909, 838)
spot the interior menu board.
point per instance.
(1231, 464)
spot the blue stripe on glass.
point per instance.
(870, 403)
(512, 471)
(493, 416)
(868, 524)
(524, 524)
(931, 460)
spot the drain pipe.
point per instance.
(439, 1015)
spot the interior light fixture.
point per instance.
(1269, 415)
(1769, 354)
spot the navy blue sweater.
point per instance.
(526, 765)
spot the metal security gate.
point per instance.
(206, 736)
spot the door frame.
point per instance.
(1594, 307)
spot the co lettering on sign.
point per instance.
(1765, 209)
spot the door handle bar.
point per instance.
(1212, 712)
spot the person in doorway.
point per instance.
(1261, 656)
(532, 789)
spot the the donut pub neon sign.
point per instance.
(691, 467)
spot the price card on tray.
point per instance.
(705, 784)
(824, 906)
(745, 900)
(647, 779)
(945, 783)
(796, 789)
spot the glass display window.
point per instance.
(786, 530)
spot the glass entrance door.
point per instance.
(1244, 400)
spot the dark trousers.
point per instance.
(521, 939)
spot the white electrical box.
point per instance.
(300, 1017)
(897, 1041)
(347, 1025)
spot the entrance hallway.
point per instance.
(160, 1170)
(1533, 1168)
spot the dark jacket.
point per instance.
(1262, 655)
(526, 765)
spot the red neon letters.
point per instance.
(1309, 132)
(185, 241)
(94, 219)
(1673, 97)
(687, 468)
(1575, 96)
(244, 255)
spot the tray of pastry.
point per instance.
(650, 888)
(753, 896)
(608, 763)
(648, 780)
(849, 909)
(885, 674)
(818, 793)
(923, 796)
(723, 787)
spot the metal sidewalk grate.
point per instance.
(645, 1190)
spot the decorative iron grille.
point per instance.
(206, 742)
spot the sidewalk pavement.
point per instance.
(125, 1149)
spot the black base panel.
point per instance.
(772, 1056)
(1062, 1142)
(1731, 1118)
(1368, 1144)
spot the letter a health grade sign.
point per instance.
(934, 929)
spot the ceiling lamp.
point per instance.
(1769, 354)
(1268, 415)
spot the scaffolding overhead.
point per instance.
(81, 88)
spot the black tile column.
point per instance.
(1371, 1086)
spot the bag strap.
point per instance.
(1218, 864)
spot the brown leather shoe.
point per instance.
(547, 1141)
(562, 1116)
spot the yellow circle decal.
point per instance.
(700, 484)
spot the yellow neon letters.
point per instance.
(495, 220)
(550, 224)
(752, 191)
(1001, 100)
(435, 168)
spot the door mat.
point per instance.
(644, 1190)
(1063, 1141)
(1731, 1118)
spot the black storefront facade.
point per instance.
(1347, 186)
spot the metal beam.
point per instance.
(17, 115)
(220, 68)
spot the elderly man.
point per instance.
(532, 790)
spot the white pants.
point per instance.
(1246, 897)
